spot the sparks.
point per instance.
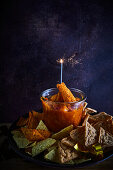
(72, 60)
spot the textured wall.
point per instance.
(35, 34)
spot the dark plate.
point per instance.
(39, 158)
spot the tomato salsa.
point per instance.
(58, 111)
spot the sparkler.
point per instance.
(61, 61)
(72, 60)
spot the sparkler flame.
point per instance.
(61, 61)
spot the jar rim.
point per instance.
(72, 89)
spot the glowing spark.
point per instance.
(61, 61)
(73, 61)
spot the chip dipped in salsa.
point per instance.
(62, 107)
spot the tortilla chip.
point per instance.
(52, 155)
(37, 115)
(83, 114)
(90, 110)
(56, 98)
(22, 121)
(32, 121)
(28, 148)
(42, 145)
(68, 141)
(44, 133)
(53, 146)
(85, 119)
(31, 144)
(65, 93)
(63, 133)
(92, 120)
(102, 116)
(66, 153)
(78, 134)
(85, 104)
(85, 136)
(17, 133)
(90, 134)
(106, 125)
(59, 97)
(84, 110)
(80, 148)
(32, 134)
(21, 142)
(40, 116)
(53, 98)
(105, 138)
(42, 126)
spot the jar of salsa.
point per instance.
(58, 115)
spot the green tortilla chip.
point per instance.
(52, 155)
(17, 133)
(42, 145)
(31, 144)
(52, 147)
(42, 126)
(21, 141)
(63, 133)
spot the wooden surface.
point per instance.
(9, 160)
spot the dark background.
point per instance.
(34, 34)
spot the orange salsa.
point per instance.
(62, 109)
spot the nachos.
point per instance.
(76, 143)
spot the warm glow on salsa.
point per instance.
(62, 109)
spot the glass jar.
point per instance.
(58, 115)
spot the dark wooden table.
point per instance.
(9, 160)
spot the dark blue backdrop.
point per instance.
(34, 34)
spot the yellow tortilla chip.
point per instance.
(52, 155)
(63, 133)
(42, 145)
(21, 142)
(31, 144)
(53, 146)
(42, 126)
